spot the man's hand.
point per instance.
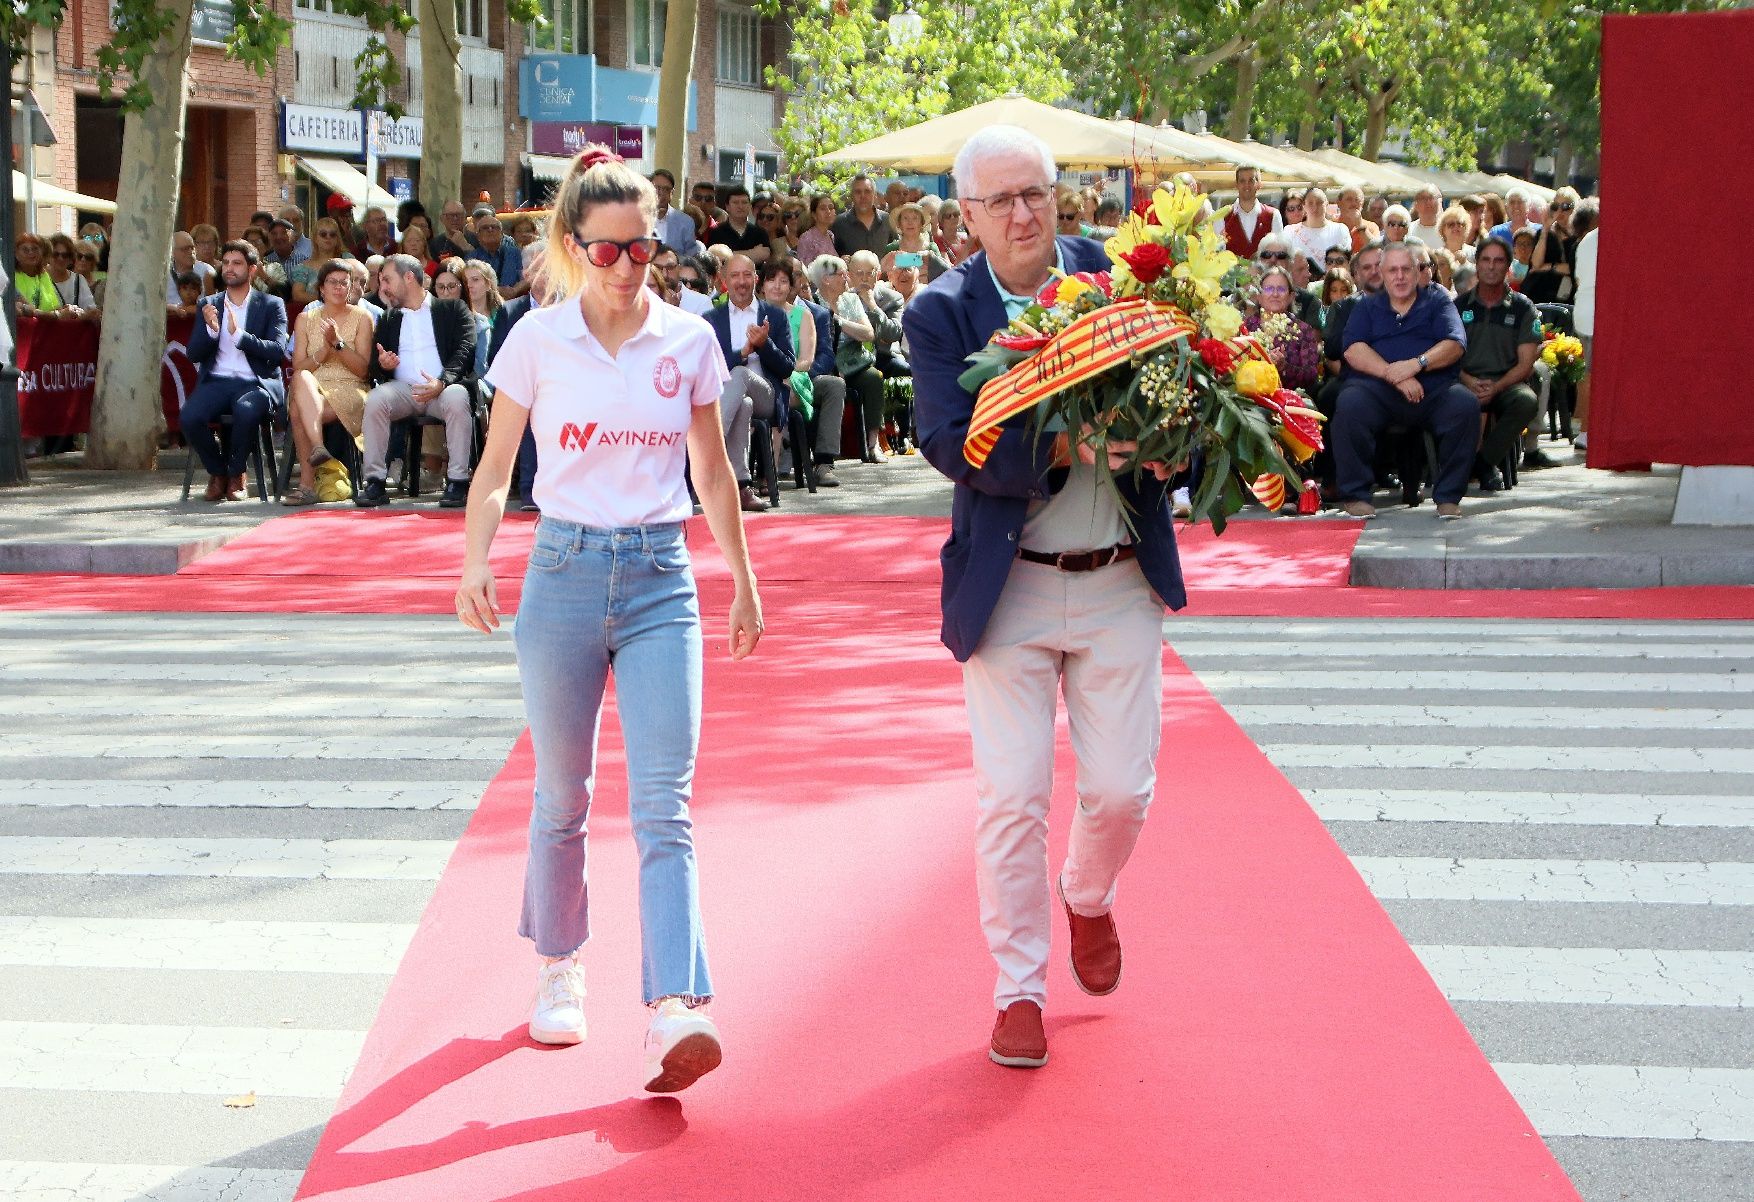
(1119, 450)
(756, 339)
(231, 320)
(210, 316)
(388, 360)
(1404, 369)
(1483, 390)
(427, 389)
(1412, 390)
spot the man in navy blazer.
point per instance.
(239, 346)
(756, 340)
(1046, 586)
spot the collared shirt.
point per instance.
(741, 321)
(1496, 331)
(507, 262)
(676, 230)
(1395, 336)
(417, 347)
(851, 235)
(1083, 515)
(611, 455)
(231, 361)
(1250, 218)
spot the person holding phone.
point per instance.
(621, 392)
(913, 238)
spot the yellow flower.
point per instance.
(1127, 235)
(1256, 377)
(1205, 267)
(1177, 210)
(1223, 322)
(1070, 288)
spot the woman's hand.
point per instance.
(745, 624)
(478, 600)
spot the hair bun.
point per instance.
(592, 157)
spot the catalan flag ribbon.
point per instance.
(1087, 348)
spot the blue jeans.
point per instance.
(597, 602)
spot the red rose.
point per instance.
(1219, 357)
(1148, 261)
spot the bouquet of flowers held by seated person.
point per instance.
(1564, 354)
(1150, 353)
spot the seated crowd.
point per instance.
(1403, 325)
(1409, 326)
(387, 331)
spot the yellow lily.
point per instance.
(1177, 210)
(1205, 268)
(1223, 321)
(1127, 235)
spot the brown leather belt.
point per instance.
(1081, 561)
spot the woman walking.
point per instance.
(619, 390)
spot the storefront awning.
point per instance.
(350, 181)
(44, 193)
(550, 168)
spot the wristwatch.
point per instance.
(341, 344)
(1422, 363)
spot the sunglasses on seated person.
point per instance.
(693, 283)
(1267, 256)
(606, 252)
(1072, 216)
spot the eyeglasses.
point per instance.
(446, 287)
(63, 254)
(764, 217)
(694, 284)
(1000, 204)
(605, 252)
(1281, 255)
(1566, 207)
(1068, 216)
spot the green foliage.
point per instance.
(847, 82)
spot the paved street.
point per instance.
(196, 910)
(1560, 818)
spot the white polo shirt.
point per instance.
(611, 433)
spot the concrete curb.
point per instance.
(1433, 566)
(117, 558)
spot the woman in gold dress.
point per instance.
(330, 343)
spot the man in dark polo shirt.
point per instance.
(738, 232)
(862, 227)
(1402, 349)
(1504, 340)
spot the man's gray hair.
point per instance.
(534, 250)
(406, 265)
(1429, 190)
(1409, 247)
(1521, 194)
(997, 140)
(1272, 242)
(823, 266)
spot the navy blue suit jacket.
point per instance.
(824, 364)
(262, 340)
(778, 359)
(947, 322)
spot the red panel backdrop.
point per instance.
(1673, 340)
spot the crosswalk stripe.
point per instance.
(265, 794)
(118, 744)
(1309, 676)
(328, 676)
(1392, 646)
(1656, 882)
(506, 707)
(1513, 758)
(187, 944)
(307, 859)
(1585, 632)
(1632, 717)
(1610, 1101)
(1616, 976)
(50, 1181)
(1594, 809)
(161, 1059)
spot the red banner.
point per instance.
(57, 364)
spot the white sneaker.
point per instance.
(1181, 504)
(1582, 441)
(682, 1046)
(559, 1016)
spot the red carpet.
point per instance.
(1274, 1039)
(354, 561)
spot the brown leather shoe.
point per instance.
(1018, 1040)
(749, 501)
(1096, 949)
(215, 489)
(235, 490)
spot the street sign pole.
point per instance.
(12, 468)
